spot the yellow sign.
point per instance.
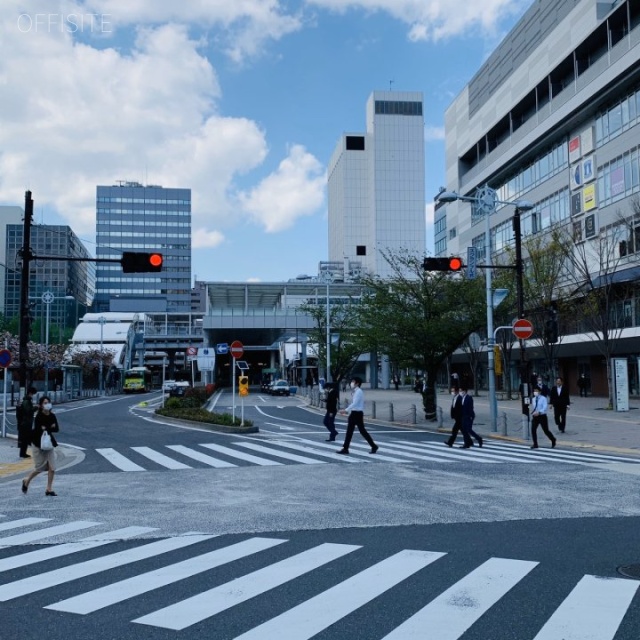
(589, 197)
(498, 360)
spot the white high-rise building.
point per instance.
(377, 185)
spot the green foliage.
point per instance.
(171, 410)
(419, 318)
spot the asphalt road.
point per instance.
(423, 546)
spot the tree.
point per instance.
(600, 291)
(346, 345)
(419, 317)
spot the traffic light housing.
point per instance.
(452, 263)
(138, 262)
(243, 385)
(551, 332)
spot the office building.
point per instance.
(71, 283)
(133, 217)
(552, 117)
(376, 186)
(8, 215)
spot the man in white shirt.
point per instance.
(539, 413)
(356, 418)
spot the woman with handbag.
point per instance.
(43, 446)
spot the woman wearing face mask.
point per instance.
(43, 460)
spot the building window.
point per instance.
(355, 143)
(361, 250)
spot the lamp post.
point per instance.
(327, 278)
(486, 200)
(48, 298)
(101, 320)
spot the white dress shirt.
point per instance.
(357, 401)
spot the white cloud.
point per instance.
(296, 188)
(435, 19)
(75, 116)
(433, 133)
(204, 239)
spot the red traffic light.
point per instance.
(138, 262)
(455, 264)
(442, 264)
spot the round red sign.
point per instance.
(236, 348)
(522, 329)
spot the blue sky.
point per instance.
(242, 101)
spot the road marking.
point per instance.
(32, 536)
(247, 457)
(316, 614)
(23, 522)
(12, 590)
(160, 458)
(57, 551)
(474, 455)
(592, 611)
(305, 449)
(208, 603)
(201, 457)
(157, 578)
(119, 461)
(454, 611)
(279, 454)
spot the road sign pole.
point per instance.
(233, 391)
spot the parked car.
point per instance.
(170, 385)
(280, 388)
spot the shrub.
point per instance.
(199, 415)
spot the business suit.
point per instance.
(332, 408)
(468, 416)
(559, 398)
(456, 415)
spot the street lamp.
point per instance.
(327, 278)
(48, 298)
(486, 200)
(101, 320)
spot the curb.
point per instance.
(206, 425)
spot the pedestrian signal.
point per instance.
(138, 262)
(243, 385)
(442, 264)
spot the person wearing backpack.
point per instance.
(24, 417)
(43, 446)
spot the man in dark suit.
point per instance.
(559, 398)
(332, 408)
(456, 415)
(468, 416)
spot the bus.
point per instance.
(137, 380)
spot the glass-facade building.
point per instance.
(376, 185)
(72, 283)
(133, 217)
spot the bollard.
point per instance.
(412, 414)
(391, 412)
(439, 418)
(503, 423)
(373, 408)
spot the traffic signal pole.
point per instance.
(26, 255)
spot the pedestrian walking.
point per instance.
(356, 418)
(468, 416)
(559, 399)
(544, 389)
(456, 415)
(583, 385)
(43, 459)
(24, 415)
(539, 413)
(331, 410)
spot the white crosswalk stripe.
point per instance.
(282, 450)
(593, 609)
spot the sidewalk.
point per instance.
(589, 422)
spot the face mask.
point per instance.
(353, 385)
(47, 406)
(535, 393)
(453, 393)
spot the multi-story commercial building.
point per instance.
(376, 185)
(71, 283)
(553, 118)
(133, 217)
(8, 215)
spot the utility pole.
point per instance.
(25, 321)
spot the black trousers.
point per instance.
(560, 417)
(330, 422)
(24, 439)
(540, 421)
(356, 419)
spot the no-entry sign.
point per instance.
(522, 329)
(237, 349)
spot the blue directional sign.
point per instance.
(5, 358)
(222, 348)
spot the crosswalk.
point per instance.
(287, 450)
(317, 585)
